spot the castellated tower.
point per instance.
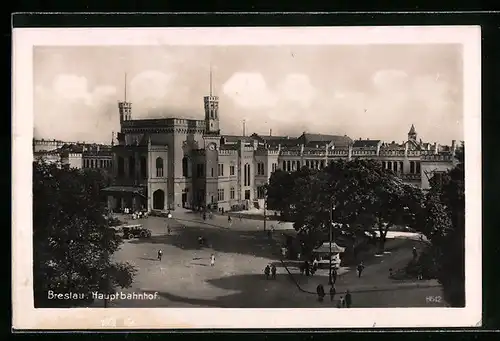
(124, 107)
(211, 112)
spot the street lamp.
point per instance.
(265, 209)
(332, 209)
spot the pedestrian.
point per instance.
(272, 228)
(212, 260)
(267, 270)
(341, 302)
(334, 275)
(204, 216)
(160, 254)
(302, 268)
(315, 265)
(168, 230)
(320, 290)
(348, 299)
(333, 291)
(273, 271)
(415, 253)
(360, 269)
(307, 268)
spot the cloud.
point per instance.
(69, 88)
(249, 91)
(150, 86)
(297, 88)
(70, 109)
(389, 79)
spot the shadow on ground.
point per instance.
(255, 243)
(254, 291)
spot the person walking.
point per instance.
(334, 275)
(415, 253)
(273, 271)
(333, 291)
(160, 254)
(307, 268)
(169, 230)
(267, 270)
(360, 269)
(320, 290)
(348, 299)
(342, 302)
(212, 260)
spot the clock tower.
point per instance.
(211, 138)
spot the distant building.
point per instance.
(79, 155)
(165, 163)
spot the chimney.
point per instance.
(406, 149)
(436, 148)
(301, 149)
(378, 148)
(270, 132)
(349, 156)
(98, 148)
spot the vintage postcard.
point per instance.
(246, 178)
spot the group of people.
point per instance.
(270, 270)
(310, 268)
(343, 302)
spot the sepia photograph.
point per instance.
(232, 171)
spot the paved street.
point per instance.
(184, 277)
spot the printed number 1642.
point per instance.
(433, 299)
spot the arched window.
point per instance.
(144, 167)
(121, 166)
(185, 166)
(246, 179)
(131, 167)
(159, 167)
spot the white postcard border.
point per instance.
(25, 316)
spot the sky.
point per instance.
(363, 91)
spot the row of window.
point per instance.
(143, 168)
(91, 163)
(397, 166)
(290, 165)
(293, 165)
(221, 196)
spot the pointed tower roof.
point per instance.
(412, 130)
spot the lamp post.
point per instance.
(332, 209)
(265, 210)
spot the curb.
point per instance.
(372, 289)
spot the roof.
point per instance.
(412, 130)
(234, 138)
(228, 147)
(317, 144)
(338, 140)
(325, 248)
(366, 143)
(268, 138)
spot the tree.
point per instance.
(449, 237)
(442, 221)
(71, 240)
